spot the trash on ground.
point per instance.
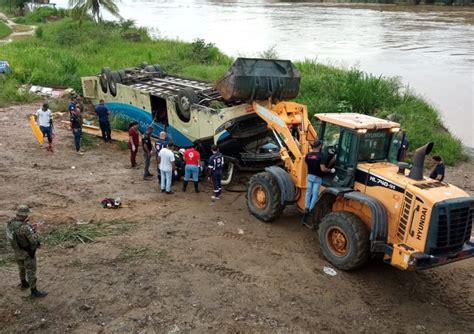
(113, 203)
(220, 223)
(73, 167)
(329, 271)
(47, 91)
(240, 231)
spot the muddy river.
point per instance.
(430, 47)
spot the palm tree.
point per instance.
(82, 7)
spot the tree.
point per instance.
(82, 7)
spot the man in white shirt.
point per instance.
(167, 166)
(44, 118)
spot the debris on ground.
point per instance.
(329, 271)
(47, 91)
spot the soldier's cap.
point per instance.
(22, 210)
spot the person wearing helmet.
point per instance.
(24, 241)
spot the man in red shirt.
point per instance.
(192, 158)
(133, 142)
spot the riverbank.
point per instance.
(61, 52)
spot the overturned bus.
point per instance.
(194, 112)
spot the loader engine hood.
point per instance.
(386, 175)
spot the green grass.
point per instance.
(65, 51)
(88, 232)
(119, 123)
(5, 30)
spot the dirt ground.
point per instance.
(184, 264)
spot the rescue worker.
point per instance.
(159, 144)
(147, 151)
(44, 118)
(76, 127)
(24, 241)
(192, 157)
(437, 169)
(133, 142)
(316, 168)
(216, 164)
(103, 113)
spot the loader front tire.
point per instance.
(344, 240)
(264, 197)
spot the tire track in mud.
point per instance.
(306, 246)
(451, 291)
(224, 272)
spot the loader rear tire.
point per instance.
(344, 240)
(264, 197)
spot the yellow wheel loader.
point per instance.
(373, 204)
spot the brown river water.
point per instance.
(431, 48)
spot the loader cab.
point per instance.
(345, 144)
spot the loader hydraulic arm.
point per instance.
(281, 118)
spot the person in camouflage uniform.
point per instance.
(24, 241)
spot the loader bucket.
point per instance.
(259, 79)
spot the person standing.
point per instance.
(147, 151)
(133, 142)
(159, 144)
(167, 166)
(316, 167)
(76, 127)
(44, 118)
(437, 170)
(24, 241)
(103, 113)
(72, 105)
(192, 159)
(216, 164)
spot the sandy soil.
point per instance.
(185, 264)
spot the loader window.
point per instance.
(374, 146)
(348, 145)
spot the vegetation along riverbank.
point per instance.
(66, 49)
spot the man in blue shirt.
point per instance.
(216, 164)
(72, 105)
(103, 113)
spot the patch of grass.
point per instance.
(122, 145)
(119, 123)
(73, 233)
(85, 233)
(88, 140)
(5, 30)
(139, 252)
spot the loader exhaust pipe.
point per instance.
(416, 172)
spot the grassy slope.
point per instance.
(4, 30)
(62, 52)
